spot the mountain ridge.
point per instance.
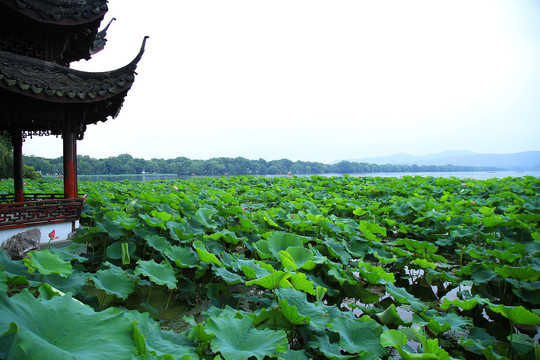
(524, 160)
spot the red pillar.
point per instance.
(70, 173)
(18, 171)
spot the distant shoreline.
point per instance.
(477, 175)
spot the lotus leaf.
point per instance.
(393, 338)
(390, 316)
(518, 273)
(114, 281)
(300, 282)
(206, 256)
(47, 263)
(204, 217)
(115, 250)
(184, 257)
(227, 276)
(357, 336)
(403, 297)
(276, 242)
(517, 314)
(331, 350)
(271, 281)
(159, 342)
(52, 329)
(238, 339)
(70, 252)
(112, 228)
(161, 274)
(159, 243)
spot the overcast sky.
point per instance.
(319, 80)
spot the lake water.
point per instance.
(478, 175)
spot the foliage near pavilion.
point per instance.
(285, 268)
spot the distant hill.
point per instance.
(526, 160)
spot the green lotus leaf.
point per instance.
(287, 261)
(390, 316)
(419, 247)
(127, 222)
(112, 228)
(467, 304)
(401, 296)
(486, 211)
(114, 281)
(253, 270)
(204, 217)
(517, 314)
(52, 329)
(227, 276)
(357, 336)
(532, 296)
(437, 327)
(70, 252)
(159, 243)
(15, 269)
(319, 314)
(478, 341)
(184, 257)
(518, 273)
(152, 221)
(401, 209)
(492, 221)
(206, 256)
(375, 274)
(320, 292)
(300, 282)
(115, 250)
(337, 250)
(301, 257)
(73, 283)
(3, 279)
(47, 263)
(271, 281)
(331, 350)
(238, 339)
(293, 355)
(393, 338)
(290, 312)
(227, 236)
(197, 331)
(164, 344)
(276, 242)
(161, 274)
(424, 264)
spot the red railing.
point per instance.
(38, 209)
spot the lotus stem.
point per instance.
(168, 299)
(149, 294)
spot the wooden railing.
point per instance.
(39, 209)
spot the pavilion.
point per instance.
(40, 95)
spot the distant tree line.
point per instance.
(127, 164)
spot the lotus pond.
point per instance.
(284, 268)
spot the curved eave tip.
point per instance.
(141, 52)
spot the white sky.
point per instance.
(319, 80)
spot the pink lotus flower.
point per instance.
(52, 235)
(175, 188)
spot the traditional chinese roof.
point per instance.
(60, 31)
(35, 95)
(68, 12)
